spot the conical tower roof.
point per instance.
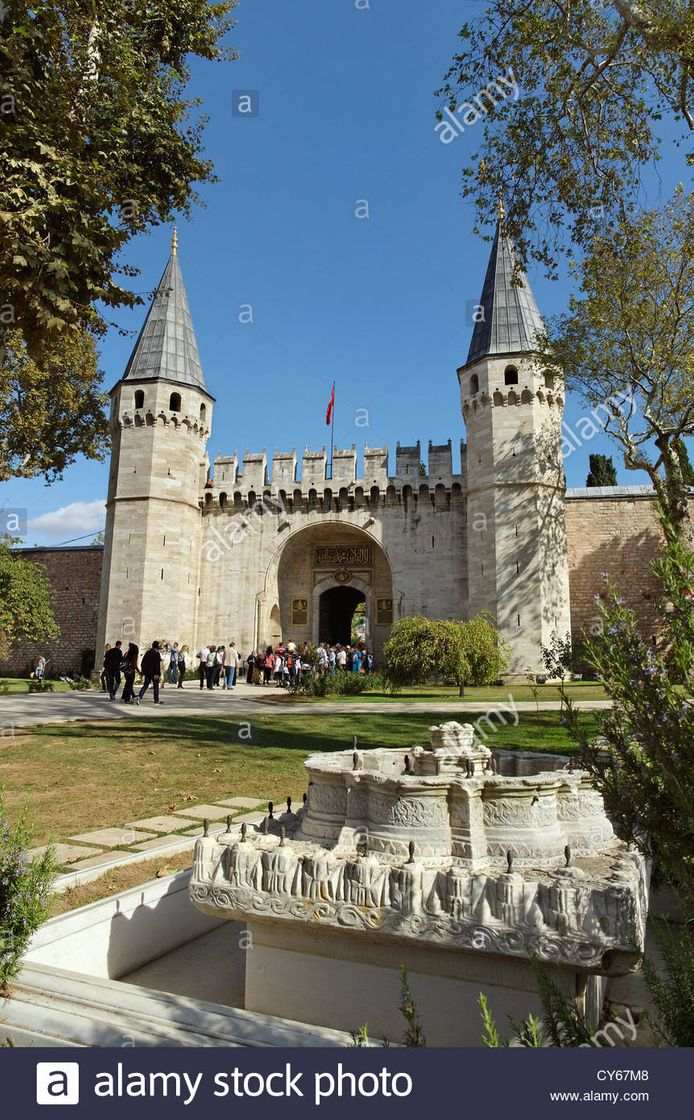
(509, 319)
(166, 347)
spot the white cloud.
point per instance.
(75, 520)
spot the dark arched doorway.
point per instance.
(336, 611)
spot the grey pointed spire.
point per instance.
(509, 319)
(166, 347)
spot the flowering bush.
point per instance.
(24, 892)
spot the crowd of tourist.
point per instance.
(222, 666)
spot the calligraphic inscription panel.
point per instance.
(343, 556)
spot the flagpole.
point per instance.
(332, 433)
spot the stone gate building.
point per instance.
(258, 551)
(254, 549)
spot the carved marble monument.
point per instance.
(449, 851)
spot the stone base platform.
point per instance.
(342, 982)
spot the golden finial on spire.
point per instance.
(500, 212)
(174, 241)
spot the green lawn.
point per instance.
(578, 690)
(21, 684)
(77, 777)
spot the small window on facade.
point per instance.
(175, 402)
(203, 412)
(140, 399)
(549, 380)
(510, 375)
(474, 384)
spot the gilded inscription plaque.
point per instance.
(384, 611)
(299, 612)
(343, 556)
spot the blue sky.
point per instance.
(378, 304)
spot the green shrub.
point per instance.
(24, 893)
(333, 684)
(671, 985)
(352, 684)
(377, 682)
(469, 653)
(82, 684)
(41, 686)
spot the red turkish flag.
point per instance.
(331, 406)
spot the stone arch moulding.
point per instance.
(319, 532)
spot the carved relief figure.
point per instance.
(241, 865)
(207, 853)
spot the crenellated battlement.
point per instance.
(238, 483)
(255, 471)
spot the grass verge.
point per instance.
(81, 776)
(118, 879)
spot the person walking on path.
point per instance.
(103, 670)
(220, 667)
(268, 665)
(151, 671)
(210, 666)
(173, 664)
(231, 666)
(112, 662)
(202, 665)
(183, 660)
(129, 665)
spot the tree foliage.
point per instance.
(627, 343)
(469, 653)
(98, 143)
(50, 412)
(568, 150)
(644, 759)
(24, 894)
(26, 600)
(601, 471)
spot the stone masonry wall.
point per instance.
(75, 574)
(616, 533)
(612, 530)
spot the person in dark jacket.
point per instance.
(151, 671)
(130, 663)
(112, 660)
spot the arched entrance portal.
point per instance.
(330, 580)
(336, 610)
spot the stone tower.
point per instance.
(517, 552)
(160, 420)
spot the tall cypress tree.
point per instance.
(602, 471)
(685, 464)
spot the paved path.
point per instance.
(30, 710)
